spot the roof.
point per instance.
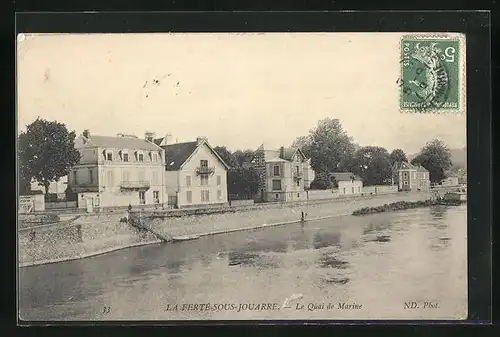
(177, 154)
(408, 166)
(344, 176)
(275, 155)
(158, 141)
(119, 142)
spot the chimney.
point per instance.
(168, 139)
(200, 139)
(86, 133)
(282, 152)
(149, 136)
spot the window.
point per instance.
(344, 190)
(406, 183)
(218, 180)
(126, 176)
(204, 163)
(125, 157)
(91, 176)
(109, 178)
(188, 181)
(189, 197)
(298, 195)
(277, 185)
(219, 195)
(297, 169)
(75, 177)
(156, 197)
(141, 157)
(298, 183)
(353, 190)
(405, 175)
(109, 156)
(154, 157)
(276, 196)
(205, 195)
(276, 170)
(204, 180)
(142, 197)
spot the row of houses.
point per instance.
(127, 170)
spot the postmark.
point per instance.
(432, 74)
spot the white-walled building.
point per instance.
(118, 171)
(347, 183)
(195, 175)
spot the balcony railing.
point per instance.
(298, 175)
(135, 185)
(205, 170)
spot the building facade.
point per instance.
(118, 171)
(282, 174)
(195, 175)
(450, 181)
(347, 183)
(410, 177)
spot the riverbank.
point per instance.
(90, 235)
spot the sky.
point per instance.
(237, 89)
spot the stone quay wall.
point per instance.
(94, 234)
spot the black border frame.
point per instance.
(475, 24)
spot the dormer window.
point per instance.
(109, 156)
(141, 157)
(125, 157)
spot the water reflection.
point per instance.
(325, 239)
(329, 260)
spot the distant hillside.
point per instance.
(458, 157)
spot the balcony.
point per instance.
(205, 170)
(298, 175)
(84, 187)
(135, 185)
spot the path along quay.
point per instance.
(94, 234)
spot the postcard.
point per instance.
(242, 176)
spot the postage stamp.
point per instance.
(432, 73)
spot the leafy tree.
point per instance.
(243, 182)
(323, 181)
(243, 157)
(373, 164)
(46, 152)
(435, 156)
(330, 147)
(304, 143)
(398, 155)
(226, 155)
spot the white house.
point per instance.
(348, 183)
(195, 175)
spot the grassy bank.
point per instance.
(403, 205)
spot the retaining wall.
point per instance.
(95, 234)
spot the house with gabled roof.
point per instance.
(195, 174)
(116, 171)
(409, 177)
(285, 173)
(347, 183)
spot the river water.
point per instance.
(400, 265)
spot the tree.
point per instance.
(397, 156)
(330, 147)
(435, 156)
(243, 157)
(46, 152)
(373, 164)
(323, 181)
(304, 143)
(243, 182)
(226, 155)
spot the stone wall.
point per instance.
(95, 234)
